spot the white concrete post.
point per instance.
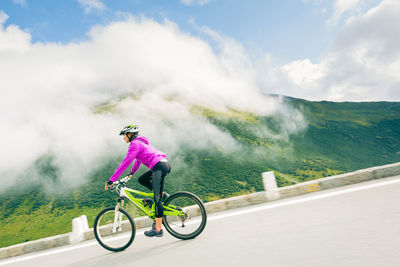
(79, 226)
(85, 223)
(270, 186)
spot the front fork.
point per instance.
(118, 216)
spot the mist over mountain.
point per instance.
(338, 138)
(64, 104)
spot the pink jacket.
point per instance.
(141, 150)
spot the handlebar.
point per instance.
(117, 184)
(122, 181)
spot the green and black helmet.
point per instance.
(134, 129)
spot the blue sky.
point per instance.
(287, 29)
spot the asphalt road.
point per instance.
(357, 225)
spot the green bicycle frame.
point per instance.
(169, 210)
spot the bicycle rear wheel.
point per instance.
(114, 231)
(193, 219)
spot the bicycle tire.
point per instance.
(128, 224)
(172, 224)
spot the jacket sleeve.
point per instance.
(136, 166)
(130, 156)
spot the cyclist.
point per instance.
(141, 150)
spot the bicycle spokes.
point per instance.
(114, 229)
(184, 216)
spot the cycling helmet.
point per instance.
(134, 129)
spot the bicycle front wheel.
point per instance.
(113, 230)
(192, 219)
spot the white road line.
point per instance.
(56, 251)
(217, 217)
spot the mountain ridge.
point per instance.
(339, 137)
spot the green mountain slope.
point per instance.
(339, 137)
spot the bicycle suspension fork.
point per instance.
(118, 215)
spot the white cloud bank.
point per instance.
(362, 64)
(49, 91)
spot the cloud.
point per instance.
(90, 5)
(20, 2)
(68, 101)
(341, 7)
(12, 38)
(195, 2)
(362, 63)
(3, 17)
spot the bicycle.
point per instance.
(115, 229)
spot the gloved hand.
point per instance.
(107, 185)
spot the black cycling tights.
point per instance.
(154, 180)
